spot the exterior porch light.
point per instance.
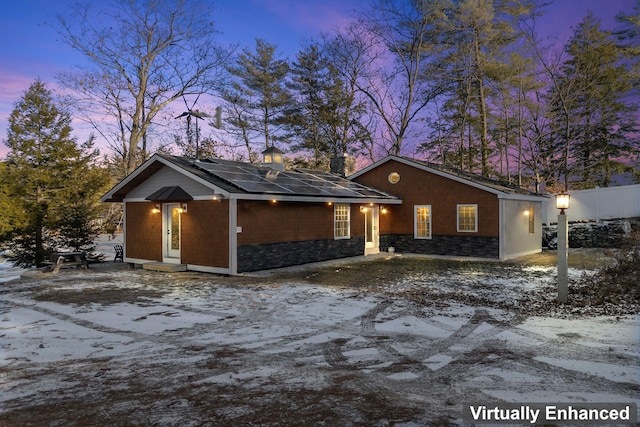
(562, 203)
(184, 208)
(363, 209)
(155, 209)
(383, 210)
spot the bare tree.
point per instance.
(144, 56)
(349, 127)
(403, 80)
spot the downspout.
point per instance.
(233, 236)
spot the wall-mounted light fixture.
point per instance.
(383, 210)
(363, 209)
(217, 197)
(184, 208)
(155, 209)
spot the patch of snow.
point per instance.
(437, 361)
(553, 396)
(608, 370)
(412, 325)
(403, 376)
(8, 272)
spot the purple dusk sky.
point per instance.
(31, 49)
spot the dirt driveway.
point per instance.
(394, 341)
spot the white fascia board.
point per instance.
(311, 199)
(524, 197)
(205, 198)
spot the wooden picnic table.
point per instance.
(68, 259)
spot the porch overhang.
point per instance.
(170, 194)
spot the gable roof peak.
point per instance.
(468, 175)
(500, 188)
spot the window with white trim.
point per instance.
(467, 218)
(422, 222)
(341, 222)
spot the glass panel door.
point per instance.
(368, 222)
(172, 226)
(371, 238)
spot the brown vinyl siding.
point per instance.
(419, 187)
(267, 222)
(205, 233)
(143, 232)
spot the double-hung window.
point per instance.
(468, 218)
(422, 222)
(341, 222)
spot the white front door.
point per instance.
(171, 238)
(371, 236)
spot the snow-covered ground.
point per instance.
(104, 245)
(115, 346)
(8, 272)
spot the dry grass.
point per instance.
(617, 282)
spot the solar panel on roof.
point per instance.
(262, 187)
(254, 179)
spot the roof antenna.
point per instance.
(198, 115)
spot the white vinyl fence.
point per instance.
(597, 204)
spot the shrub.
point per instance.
(617, 283)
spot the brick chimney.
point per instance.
(338, 165)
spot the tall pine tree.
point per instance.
(258, 98)
(308, 82)
(50, 179)
(602, 118)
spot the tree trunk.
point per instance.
(38, 235)
(484, 149)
